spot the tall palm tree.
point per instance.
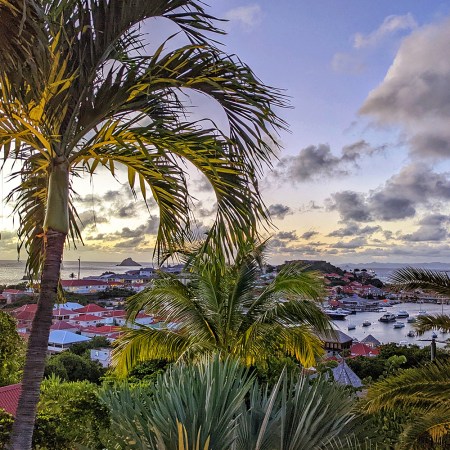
(79, 94)
(228, 312)
(425, 393)
(411, 278)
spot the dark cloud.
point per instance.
(416, 185)
(286, 236)
(415, 93)
(203, 185)
(308, 235)
(130, 243)
(353, 229)
(352, 244)
(279, 211)
(89, 218)
(431, 228)
(129, 210)
(314, 162)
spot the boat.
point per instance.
(411, 320)
(422, 312)
(382, 310)
(339, 314)
(434, 335)
(366, 323)
(399, 324)
(351, 326)
(411, 333)
(403, 343)
(387, 318)
(402, 314)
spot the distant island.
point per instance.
(128, 262)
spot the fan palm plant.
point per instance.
(227, 312)
(425, 392)
(411, 278)
(78, 94)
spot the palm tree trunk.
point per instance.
(22, 433)
(56, 228)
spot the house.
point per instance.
(342, 374)
(65, 326)
(12, 295)
(63, 314)
(9, 397)
(371, 341)
(102, 355)
(68, 305)
(115, 317)
(92, 309)
(86, 320)
(24, 315)
(108, 331)
(60, 340)
(360, 349)
(84, 286)
(336, 341)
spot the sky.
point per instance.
(364, 170)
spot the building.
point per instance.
(336, 341)
(60, 340)
(102, 355)
(84, 286)
(92, 309)
(9, 397)
(342, 374)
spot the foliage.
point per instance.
(80, 348)
(116, 292)
(269, 372)
(223, 311)
(69, 413)
(12, 351)
(224, 407)
(72, 367)
(422, 393)
(147, 371)
(6, 422)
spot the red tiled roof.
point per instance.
(24, 315)
(31, 307)
(90, 308)
(101, 330)
(116, 313)
(62, 325)
(14, 291)
(360, 349)
(64, 312)
(9, 397)
(86, 318)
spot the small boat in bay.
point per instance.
(411, 320)
(402, 314)
(399, 324)
(366, 323)
(351, 326)
(411, 333)
(387, 318)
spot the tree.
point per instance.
(227, 312)
(12, 351)
(76, 94)
(423, 393)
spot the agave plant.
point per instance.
(217, 404)
(77, 92)
(227, 312)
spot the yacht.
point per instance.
(399, 324)
(411, 320)
(351, 326)
(402, 315)
(366, 323)
(339, 314)
(422, 312)
(411, 333)
(387, 318)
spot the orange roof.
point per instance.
(101, 330)
(62, 325)
(86, 318)
(90, 308)
(360, 349)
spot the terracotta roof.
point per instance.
(90, 308)
(86, 318)
(101, 330)
(62, 325)
(115, 313)
(63, 312)
(31, 307)
(9, 397)
(361, 349)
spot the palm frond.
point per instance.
(436, 322)
(414, 278)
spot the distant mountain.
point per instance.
(129, 262)
(380, 265)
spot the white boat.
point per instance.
(411, 320)
(402, 314)
(351, 326)
(337, 313)
(366, 323)
(399, 324)
(403, 343)
(422, 312)
(387, 318)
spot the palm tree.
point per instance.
(411, 278)
(216, 404)
(79, 94)
(227, 312)
(425, 393)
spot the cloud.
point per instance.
(415, 185)
(248, 17)
(354, 229)
(352, 244)
(432, 228)
(415, 92)
(314, 162)
(286, 236)
(390, 25)
(279, 211)
(346, 63)
(88, 218)
(308, 235)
